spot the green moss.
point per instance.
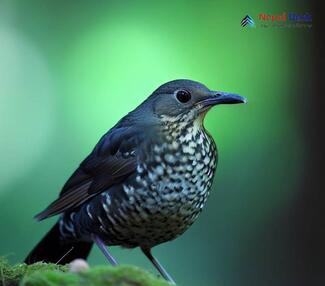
(42, 274)
(123, 275)
(96, 276)
(11, 275)
(50, 278)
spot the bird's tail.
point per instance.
(53, 249)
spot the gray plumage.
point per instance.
(148, 178)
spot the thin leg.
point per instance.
(158, 266)
(104, 250)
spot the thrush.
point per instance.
(144, 183)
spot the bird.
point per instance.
(144, 183)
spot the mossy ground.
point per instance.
(43, 274)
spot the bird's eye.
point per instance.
(183, 96)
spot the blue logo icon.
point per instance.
(247, 21)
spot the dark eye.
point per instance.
(183, 96)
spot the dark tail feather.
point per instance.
(52, 249)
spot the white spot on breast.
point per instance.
(129, 190)
(206, 160)
(152, 176)
(170, 158)
(169, 170)
(171, 196)
(157, 149)
(188, 150)
(192, 144)
(189, 168)
(139, 169)
(174, 145)
(199, 166)
(188, 137)
(200, 140)
(150, 201)
(160, 170)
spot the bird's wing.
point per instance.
(113, 159)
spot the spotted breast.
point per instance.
(162, 199)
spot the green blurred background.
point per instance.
(70, 69)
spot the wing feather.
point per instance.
(113, 159)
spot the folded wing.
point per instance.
(113, 159)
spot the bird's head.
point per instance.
(187, 101)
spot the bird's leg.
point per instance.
(158, 266)
(104, 250)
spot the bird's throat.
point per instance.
(184, 125)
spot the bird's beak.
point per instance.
(218, 97)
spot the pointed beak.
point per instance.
(218, 97)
